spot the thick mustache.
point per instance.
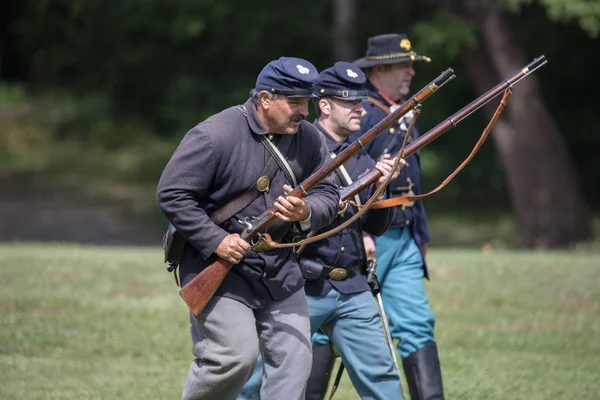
(297, 118)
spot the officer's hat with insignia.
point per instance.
(344, 81)
(288, 76)
(390, 48)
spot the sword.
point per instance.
(375, 289)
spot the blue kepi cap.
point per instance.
(344, 81)
(288, 76)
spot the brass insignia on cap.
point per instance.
(405, 44)
(262, 184)
(338, 274)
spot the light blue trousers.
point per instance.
(400, 273)
(354, 325)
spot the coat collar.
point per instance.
(332, 145)
(377, 94)
(253, 120)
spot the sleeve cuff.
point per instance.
(211, 247)
(305, 224)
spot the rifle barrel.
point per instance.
(350, 191)
(262, 221)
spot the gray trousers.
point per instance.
(227, 338)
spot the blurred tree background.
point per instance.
(115, 85)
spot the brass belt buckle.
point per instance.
(338, 274)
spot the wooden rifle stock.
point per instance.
(198, 292)
(372, 176)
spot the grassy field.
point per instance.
(107, 323)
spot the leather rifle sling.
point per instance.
(342, 173)
(396, 201)
(345, 176)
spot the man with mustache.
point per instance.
(260, 304)
(401, 250)
(339, 298)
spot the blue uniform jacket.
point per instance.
(345, 248)
(219, 159)
(409, 177)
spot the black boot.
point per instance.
(423, 373)
(320, 372)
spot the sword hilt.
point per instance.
(371, 268)
(371, 277)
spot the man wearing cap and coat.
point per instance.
(260, 304)
(401, 250)
(340, 302)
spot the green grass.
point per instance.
(107, 323)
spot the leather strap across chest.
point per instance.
(378, 104)
(276, 161)
(344, 175)
(389, 142)
(242, 201)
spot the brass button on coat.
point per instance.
(262, 184)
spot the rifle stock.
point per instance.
(372, 176)
(205, 285)
(198, 292)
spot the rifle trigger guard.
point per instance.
(260, 244)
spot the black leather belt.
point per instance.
(312, 270)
